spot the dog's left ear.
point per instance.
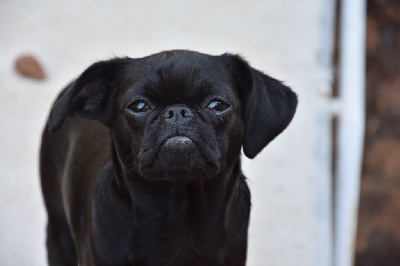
(90, 95)
(268, 105)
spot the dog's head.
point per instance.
(179, 116)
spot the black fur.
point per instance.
(163, 186)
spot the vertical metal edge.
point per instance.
(351, 125)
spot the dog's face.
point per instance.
(180, 116)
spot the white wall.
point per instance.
(281, 38)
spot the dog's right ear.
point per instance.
(91, 95)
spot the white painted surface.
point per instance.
(351, 128)
(279, 37)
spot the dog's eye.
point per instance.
(139, 106)
(217, 106)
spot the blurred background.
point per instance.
(305, 185)
(378, 239)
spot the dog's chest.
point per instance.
(175, 246)
(181, 239)
(169, 233)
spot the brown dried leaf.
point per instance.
(28, 66)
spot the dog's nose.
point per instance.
(177, 114)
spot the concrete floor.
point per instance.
(278, 37)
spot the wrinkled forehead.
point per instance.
(172, 76)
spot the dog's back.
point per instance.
(80, 145)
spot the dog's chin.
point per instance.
(179, 160)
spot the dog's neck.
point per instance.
(186, 218)
(190, 203)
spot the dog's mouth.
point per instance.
(178, 142)
(176, 150)
(179, 159)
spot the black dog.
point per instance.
(143, 165)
